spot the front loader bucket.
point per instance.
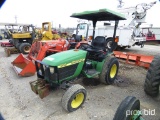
(23, 66)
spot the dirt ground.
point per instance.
(18, 102)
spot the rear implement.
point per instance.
(134, 59)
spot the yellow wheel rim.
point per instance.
(113, 71)
(26, 48)
(77, 101)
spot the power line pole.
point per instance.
(15, 19)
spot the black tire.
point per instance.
(25, 48)
(129, 104)
(152, 81)
(109, 70)
(18, 45)
(109, 42)
(11, 41)
(71, 95)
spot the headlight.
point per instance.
(40, 73)
(51, 69)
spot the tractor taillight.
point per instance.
(116, 39)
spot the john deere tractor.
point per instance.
(58, 70)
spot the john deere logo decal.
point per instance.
(71, 63)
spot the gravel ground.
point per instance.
(18, 102)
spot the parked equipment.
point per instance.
(7, 33)
(9, 29)
(47, 33)
(21, 40)
(149, 35)
(6, 44)
(152, 81)
(59, 69)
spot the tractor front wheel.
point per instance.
(25, 48)
(74, 97)
(152, 81)
(109, 70)
(129, 109)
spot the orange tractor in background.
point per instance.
(24, 66)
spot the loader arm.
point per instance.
(24, 66)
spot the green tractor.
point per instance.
(58, 70)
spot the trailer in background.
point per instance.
(151, 33)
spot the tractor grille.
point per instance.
(44, 72)
(67, 71)
(53, 77)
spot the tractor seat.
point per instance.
(73, 43)
(98, 44)
(78, 38)
(96, 51)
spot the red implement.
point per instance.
(133, 58)
(24, 66)
(6, 44)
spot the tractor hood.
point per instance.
(21, 35)
(66, 57)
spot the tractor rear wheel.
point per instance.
(74, 97)
(152, 81)
(25, 48)
(128, 109)
(109, 70)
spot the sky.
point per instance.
(58, 11)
